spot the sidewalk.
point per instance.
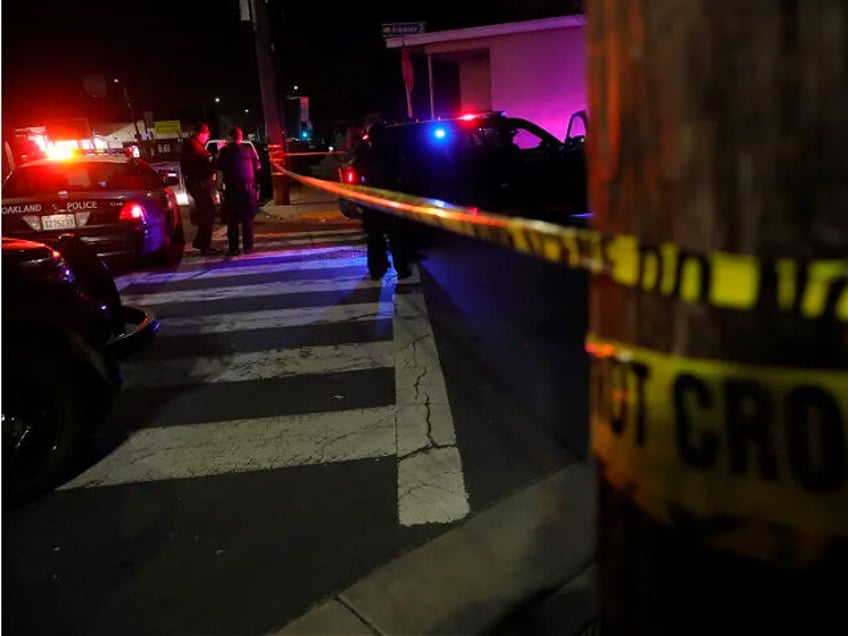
(308, 208)
(524, 566)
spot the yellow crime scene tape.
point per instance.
(810, 289)
(740, 454)
(723, 449)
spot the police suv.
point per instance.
(486, 160)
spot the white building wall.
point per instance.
(539, 76)
(475, 80)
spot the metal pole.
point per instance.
(406, 64)
(718, 136)
(131, 111)
(430, 84)
(270, 105)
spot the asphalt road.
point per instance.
(295, 426)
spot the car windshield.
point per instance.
(511, 132)
(45, 179)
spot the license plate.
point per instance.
(58, 222)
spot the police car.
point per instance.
(117, 205)
(65, 332)
(486, 160)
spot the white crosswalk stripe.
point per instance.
(417, 427)
(240, 291)
(258, 365)
(198, 450)
(260, 262)
(277, 318)
(258, 266)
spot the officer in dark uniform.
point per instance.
(237, 166)
(375, 157)
(199, 175)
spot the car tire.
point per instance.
(350, 209)
(178, 233)
(45, 395)
(171, 251)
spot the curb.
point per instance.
(476, 576)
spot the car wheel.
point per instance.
(177, 233)
(163, 257)
(46, 412)
(171, 251)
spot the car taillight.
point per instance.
(132, 211)
(350, 175)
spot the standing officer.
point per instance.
(375, 158)
(237, 167)
(199, 175)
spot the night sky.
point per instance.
(175, 56)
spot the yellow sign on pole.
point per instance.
(167, 128)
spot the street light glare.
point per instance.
(247, 110)
(296, 87)
(116, 80)
(217, 100)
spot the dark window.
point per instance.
(49, 179)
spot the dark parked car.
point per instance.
(118, 205)
(500, 164)
(65, 331)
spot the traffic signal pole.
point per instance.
(718, 140)
(270, 105)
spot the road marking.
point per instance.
(266, 289)
(418, 429)
(350, 232)
(276, 318)
(259, 268)
(199, 450)
(243, 291)
(281, 259)
(431, 485)
(329, 239)
(260, 365)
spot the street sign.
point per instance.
(167, 128)
(394, 29)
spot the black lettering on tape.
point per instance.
(705, 274)
(615, 401)
(500, 236)
(767, 294)
(645, 252)
(505, 238)
(533, 240)
(566, 251)
(749, 417)
(619, 396)
(606, 257)
(814, 426)
(838, 287)
(586, 246)
(601, 388)
(802, 279)
(703, 455)
(642, 373)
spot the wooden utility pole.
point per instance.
(270, 104)
(721, 127)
